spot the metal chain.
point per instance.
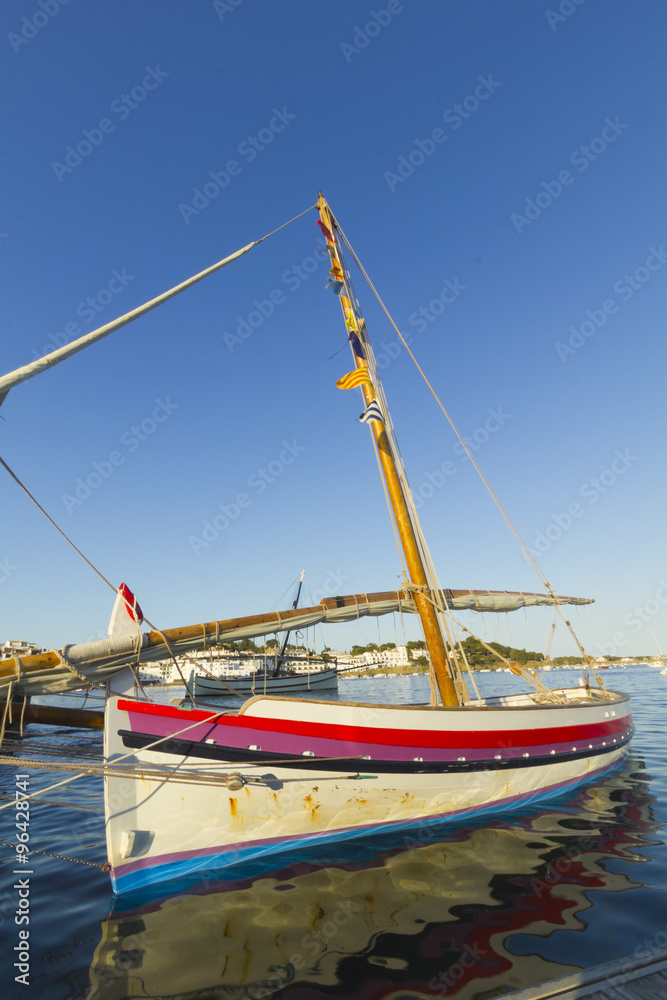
(61, 857)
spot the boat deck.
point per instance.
(623, 979)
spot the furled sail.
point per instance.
(93, 662)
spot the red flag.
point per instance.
(131, 604)
(327, 232)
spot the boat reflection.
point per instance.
(431, 914)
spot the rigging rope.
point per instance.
(526, 551)
(62, 654)
(8, 760)
(544, 692)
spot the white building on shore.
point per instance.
(18, 647)
(222, 664)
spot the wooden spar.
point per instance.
(210, 633)
(53, 715)
(418, 575)
(108, 658)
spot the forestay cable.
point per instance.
(526, 551)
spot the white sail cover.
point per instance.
(96, 661)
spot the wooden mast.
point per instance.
(418, 575)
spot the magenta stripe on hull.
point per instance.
(287, 743)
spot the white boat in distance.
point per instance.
(188, 790)
(275, 673)
(262, 682)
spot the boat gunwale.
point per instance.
(618, 698)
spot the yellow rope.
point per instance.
(545, 693)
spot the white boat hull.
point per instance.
(287, 684)
(164, 826)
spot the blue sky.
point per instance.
(498, 169)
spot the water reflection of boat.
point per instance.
(432, 915)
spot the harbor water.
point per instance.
(470, 912)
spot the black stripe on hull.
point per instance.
(355, 765)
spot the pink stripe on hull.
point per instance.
(286, 743)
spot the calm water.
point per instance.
(466, 912)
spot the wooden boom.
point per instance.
(95, 662)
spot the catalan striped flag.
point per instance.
(372, 412)
(354, 379)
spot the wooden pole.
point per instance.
(413, 559)
(54, 715)
(50, 667)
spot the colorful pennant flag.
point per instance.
(356, 346)
(372, 412)
(354, 379)
(131, 603)
(326, 231)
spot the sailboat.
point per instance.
(277, 674)
(196, 788)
